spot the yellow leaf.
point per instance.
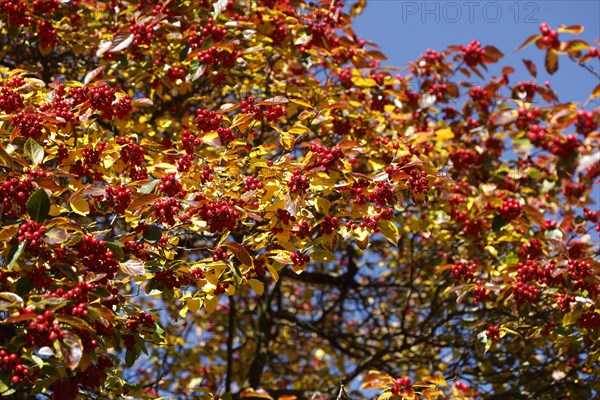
(389, 230)
(273, 272)
(210, 303)
(359, 81)
(322, 256)
(299, 130)
(444, 134)
(183, 311)
(376, 380)
(322, 205)
(287, 140)
(257, 286)
(79, 205)
(194, 304)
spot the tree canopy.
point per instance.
(234, 199)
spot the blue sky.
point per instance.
(405, 29)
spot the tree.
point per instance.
(234, 199)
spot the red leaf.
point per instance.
(531, 67)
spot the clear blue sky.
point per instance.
(405, 29)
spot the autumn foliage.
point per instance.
(233, 199)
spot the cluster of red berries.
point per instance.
(170, 185)
(10, 100)
(220, 215)
(302, 230)
(549, 37)
(122, 107)
(43, 330)
(45, 6)
(166, 209)
(564, 146)
(30, 124)
(480, 293)
(185, 162)
(252, 182)
(207, 120)
(526, 117)
(511, 209)
(60, 104)
(207, 174)
(329, 225)
(131, 153)
(585, 123)
(524, 91)
(143, 320)
(142, 34)
(327, 157)
(563, 301)
(384, 193)
(525, 293)
(531, 250)
(96, 257)
(589, 320)
(219, 56)
(168, 278)
(226, 135)
(90, 157)
(102, 97)
(220, 253)
(464, 159)
(175, 74)
(209, 30)
(118, 198)
(493, 333)
(189, 142)
(429, 62)
(17, 12)
(47, 34)
(197, 274)
(298, 183)
(299, 259)
(418, 182)
(537, 135)
(480, 96)
(279, 34)
(137, 249)
(13, 365)
(573, 189)
(14, 195)
(579, 271)
(473, 54)
(401, 385)
(463, 271)
(285, 217)
(32, 233)
(39, 278)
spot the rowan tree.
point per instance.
(234, 199)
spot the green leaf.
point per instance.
(38, 205)
(116, 249)
(498, 223)
(152, 234)
(34, 151)
(18, 251)
(130, 357)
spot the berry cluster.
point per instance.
(32, 233)
(418, 182)
(564, 146)
(480, 293)
(511, 209)
(526, 117)
(13, 365)
(525, 293)
(226, 135)
(473, 54)
(118, 198)
(10, 100)
(549, 37)
(39, 278)
(122, 107)
(524, 91)
(252, 182)
(327, 157)
(464, 159)
(17, 12)
(45, 6)
(493, 333)
(207, 121)
(185, 162)
(143, 320)
(537, 135)
(131, 153)
(221, 288)
(589, 320)
(329, 225)
(216, 55)
(175, 74)
(220, 253)
(142, 34)
(102, 97)
(279, 34)
(462, 271)
(217, 34)
(43, 330)
(579, 271)
(531, 250)
(299, 259)
(428, 63)
(401, 385)
(47, 34)
(564, 301)
(298, 183)
(168, 278)
(136, 249)
(189, 142)
(585, 122)
(95, 256)
(384, 193)
(170, 185)
(90, 157)
(166, 209)
(285, 217)
(30, 124)
(14, 195)
(220, 215)
(302, 230)
(480, 96)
